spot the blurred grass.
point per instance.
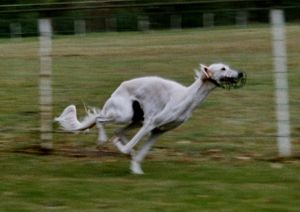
(212, 162)
(30, 183)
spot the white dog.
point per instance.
(154, 104)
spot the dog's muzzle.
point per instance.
(233, 82)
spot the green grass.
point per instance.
(57, 183)
(214, 162)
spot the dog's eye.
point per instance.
(223, 69)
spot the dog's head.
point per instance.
(223, 76)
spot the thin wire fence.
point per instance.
(139, 19)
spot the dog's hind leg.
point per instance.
(102, 137)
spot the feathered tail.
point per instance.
(69, 122)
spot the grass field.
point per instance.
(222, 159)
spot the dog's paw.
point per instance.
(136, 168)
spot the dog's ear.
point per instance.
(206, 74)
(203, 68)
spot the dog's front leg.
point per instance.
(123, 140)
(141, 154)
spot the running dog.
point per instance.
(154, 104)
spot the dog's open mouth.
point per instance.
(234, 82)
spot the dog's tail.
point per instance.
(69, 122)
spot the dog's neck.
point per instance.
(202, 84)
(200, 90)
(196, 93)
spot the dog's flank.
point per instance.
(155, 104)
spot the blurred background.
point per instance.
(18, 18)
(225, 157)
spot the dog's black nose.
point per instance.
(240, 75)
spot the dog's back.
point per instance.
(152, 93)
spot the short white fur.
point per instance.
(166, 104)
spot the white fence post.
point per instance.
(45, 89)
(281, 82)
